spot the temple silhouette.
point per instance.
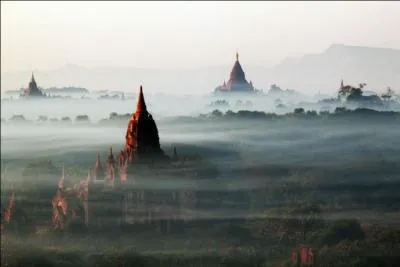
(32, 90)
(142, 140)
(237, 82)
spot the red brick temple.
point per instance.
(237, 82)
(123, 184)
(142, 138)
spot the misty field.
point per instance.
(270, 186)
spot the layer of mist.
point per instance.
(254, 166)
(162, 106)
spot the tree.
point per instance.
(299, 110)
(388, 94)
(306, 217)
(343, 229)
(216, 113)
(297, 217)
(349, 92)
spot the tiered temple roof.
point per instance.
(142, 140)
(64, 210)
(237, 81)
(98, 171)
(33, 90)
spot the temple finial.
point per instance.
(237, 56)
(89, 176)
(141, 104)
(63, 172)
(61, 183)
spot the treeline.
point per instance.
(68, 89)
(301, 113)
(298, 113)
(336, 243)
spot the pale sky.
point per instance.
(172, 35)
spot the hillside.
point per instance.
(378, 67)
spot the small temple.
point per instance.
(33, 90)
(237, 82)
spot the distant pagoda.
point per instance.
(237, 81)
(33, 90)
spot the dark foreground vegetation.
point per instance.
(300, 113)
(228, 243)
(349, 218)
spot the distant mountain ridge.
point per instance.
(322, 72)
(378, 67)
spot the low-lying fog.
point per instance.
(275, 142)
(161, 105)
(247, 141)
(248, 152)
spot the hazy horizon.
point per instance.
(120, 45)
(227, 64)
(153, 35)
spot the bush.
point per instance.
(66, 119)
(298, 110)
(31, 260)
(17, 117)
(42, 118)
(341, 230)
(82, 118)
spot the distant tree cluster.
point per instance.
(68, 89)
(300, 113)
(353, 94)
(349, 92)
(82, 118)
(297, 113)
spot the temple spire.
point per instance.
(63, 172)
(61, 183)
(89, 176)
(141, 134)
(141, 104)
(111, 159)
(98, 162)
(237, 56)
